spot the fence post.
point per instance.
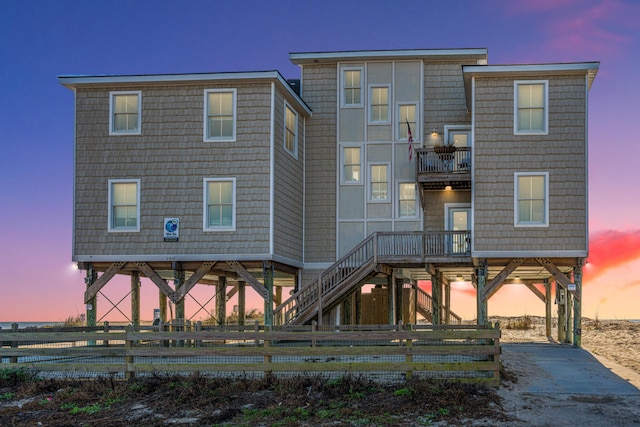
(105, 329)
(128, 359)
(314, 328)
(496, 357)
(198, 328)
(409, 344)
(14, 344)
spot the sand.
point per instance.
(615, 343)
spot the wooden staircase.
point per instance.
(343, 277)
(425, 308)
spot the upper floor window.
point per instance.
(219, 204)
(407, 117)
(291, 131)
(352, 87)
(220, 115)
(531, 108)
(379, 104)
(407, 200)
(351, 161)
(531, 199)
(124, 205)
(124, 113)
(379, 181)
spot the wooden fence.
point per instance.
(382, 352)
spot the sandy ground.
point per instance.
(615, 344)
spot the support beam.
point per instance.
(194, 279)
(91, 303)
(399, 301)
(241, 302)
(562, 323)
(162, 302)
(577, 306)
(221, 301)
(98, 283)
(496, 283)
(248, 278)
(536, 291)
(482, 309)
(560, 277)
(135, 299)
(267, 270)
(436, 298)
(447, 302)
(178, 282)
(547, 306)
(157, 280)
(390, 306)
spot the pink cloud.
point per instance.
(611, 249)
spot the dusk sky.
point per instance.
(40, 40)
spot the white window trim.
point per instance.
(416, 200)
(387, 121)
(457, 128)
(516, 215)
(110, 227)
(294, 153)
(545, 131)
(205, 213)
(369, 182)
(343, 104)
(414, 132)
(205, 122)
(137, 131)
(343, 181)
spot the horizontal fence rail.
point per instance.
(384, 352)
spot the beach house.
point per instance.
(334, 195)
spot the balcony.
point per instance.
(439, 167)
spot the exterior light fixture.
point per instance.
(434, 132)
(447, 188)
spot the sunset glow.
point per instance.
(39, 281)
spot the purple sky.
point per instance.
(40, 40)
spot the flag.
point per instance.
(410, 141)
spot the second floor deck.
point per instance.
(439, 167)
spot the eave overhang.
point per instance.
(472, 54)
(78, 81)
(590, 69)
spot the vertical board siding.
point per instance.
(498, 153)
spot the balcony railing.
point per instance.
(443, 160)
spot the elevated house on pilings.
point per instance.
(375, 167)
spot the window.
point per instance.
(407, 113)
(379, 190)
(291, 131)
(379, 104)
(407, 200)
(531, 204)
(124, 114)
(352, 87)
(220, 115)
(530, 108)
(351, 165)
(219, 204)
(124, 206)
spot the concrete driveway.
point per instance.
(560, 385)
